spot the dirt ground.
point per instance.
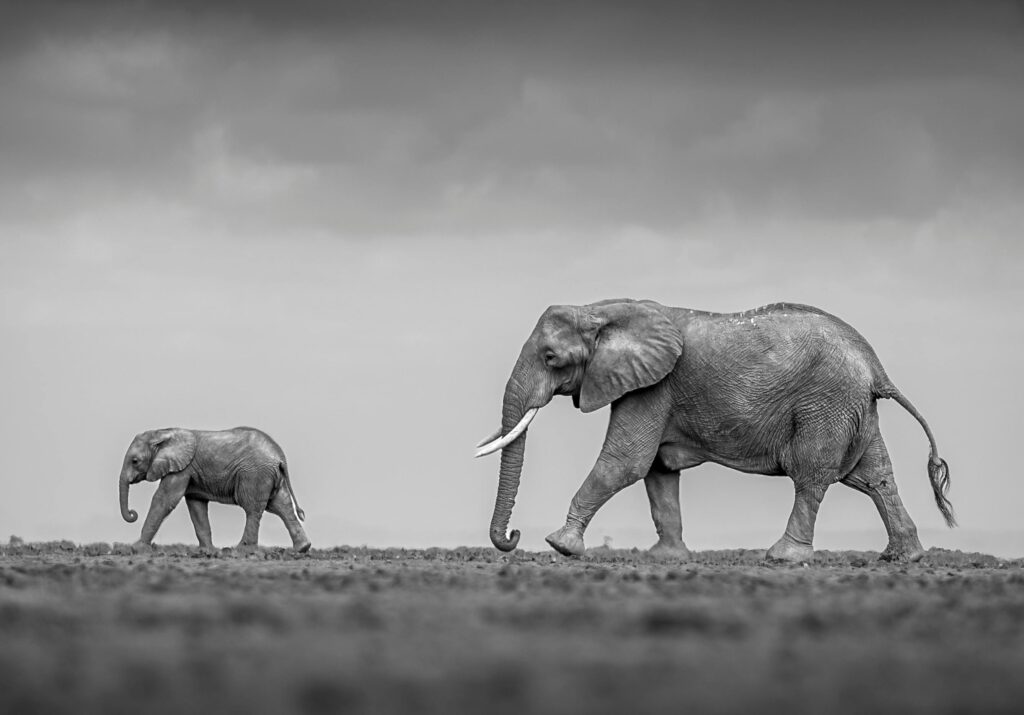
(351, 630)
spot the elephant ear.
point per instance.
(175, 449)
(635, 346)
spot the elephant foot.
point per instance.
(247, 548)
(302, 547)
(903, 552)
(675, 550)
(567, 542)
(142, 547)
(786, 551)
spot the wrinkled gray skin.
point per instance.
(242, 466)
(780, 390)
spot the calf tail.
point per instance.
(291, 492)
(938, 470)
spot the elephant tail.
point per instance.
(291, 492)
(938, 470)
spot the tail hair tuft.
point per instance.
(938, 473)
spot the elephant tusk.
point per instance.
(502, 442)
(485, 440)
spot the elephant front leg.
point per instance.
(796, 544)
(199, 510)
(600, 485)
(663, 494)
(166, 497)
(629, 449)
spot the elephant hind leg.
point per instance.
(824, 450)
(253, 493)
(282, 505)
(663, 494)
(873, 476)
(251, 533)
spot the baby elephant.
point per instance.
(242, 466)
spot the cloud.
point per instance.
(369, 119)
(241, 179)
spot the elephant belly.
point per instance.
(761, 464)
(203, 490)
(208, 495)
(675, 456)
(749, 438)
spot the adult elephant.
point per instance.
(784, 389)
(242, 466)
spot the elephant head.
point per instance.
(595, 353)
(152, 456)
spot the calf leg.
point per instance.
(251, 533)
(282, 505)
(252, 492)
(166, 497)
(199, 510)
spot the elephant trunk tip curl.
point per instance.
(127, 514)
(516, 417)
(505, 544)
(508, 485)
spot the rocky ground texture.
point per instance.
(99, 628)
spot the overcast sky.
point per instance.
(339, 222)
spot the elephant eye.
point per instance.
(551, 359)
(135, 460)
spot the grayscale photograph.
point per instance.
(529, 357)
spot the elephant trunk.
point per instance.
(129, 515)
(513, 411)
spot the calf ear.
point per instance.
(175, 449)
(636, 345)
